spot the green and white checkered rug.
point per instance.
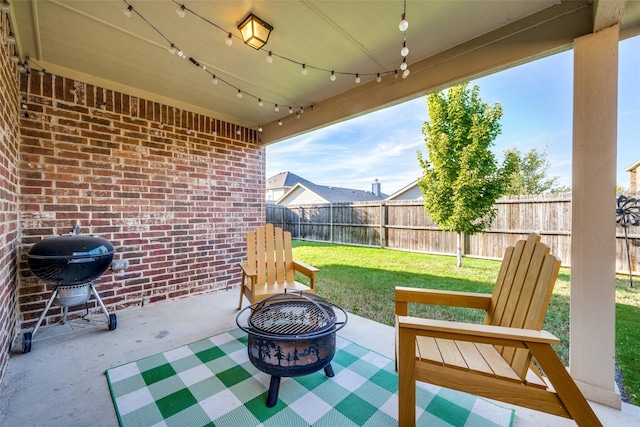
(213, 383)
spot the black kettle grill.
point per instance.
(70, 263)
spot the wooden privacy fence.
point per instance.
(404, 225)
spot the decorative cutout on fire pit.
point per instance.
(291, 334)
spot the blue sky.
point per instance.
(536, 101)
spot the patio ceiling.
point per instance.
(449, 41)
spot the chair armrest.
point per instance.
(406, 295)
(303, 268)
(248, 271)
(490, 334)
(308, 271)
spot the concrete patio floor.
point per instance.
(62, 381)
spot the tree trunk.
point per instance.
(459, 242)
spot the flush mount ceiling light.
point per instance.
(255, 32)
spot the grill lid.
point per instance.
(70, 260)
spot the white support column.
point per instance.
(593, 251)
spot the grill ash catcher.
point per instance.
(290, 335)
(70, 263)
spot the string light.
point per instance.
(405, 73)
(127, 11)
(181, 11)
(279, 122)
(404, 24)
(405, 50)
(276, 108)
(403, 66)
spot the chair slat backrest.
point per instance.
(522, 293)
(269, 250)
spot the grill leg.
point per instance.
(328, 370)
(44, 313)
(274, 388)
(97, 296)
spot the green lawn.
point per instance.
(362, 280)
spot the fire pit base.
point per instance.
(274, 386)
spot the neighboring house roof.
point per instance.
(285, 179)
(633, 167)
(410, 192)
(312, 193)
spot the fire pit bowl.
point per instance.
(290, 335)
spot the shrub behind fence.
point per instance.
(404, 225)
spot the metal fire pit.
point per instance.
(291, 334)
(70, 264)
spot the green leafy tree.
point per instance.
(461, 178)
(530, 175)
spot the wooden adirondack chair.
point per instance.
(494, 359)
(270, 268)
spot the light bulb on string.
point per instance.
(239, 95)
(404, 24)
(301, 110)
(332, 77)
(357, 78)
(127, 11)
(405, 73)
(173, 49)
(276, 108)
(214, 80)
(297, 115)
(279, 122)
(260, 128)
(395, 74)
(403, 66)
(260, 103)
(304, 70)
(290, 110)
(238, 132)
(180, 11)
(269, 58)
(229, 40)
(405, 50)
(378, 78)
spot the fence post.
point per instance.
(331, 223)
(381, 238)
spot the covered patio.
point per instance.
(63, 380)
(146, 128)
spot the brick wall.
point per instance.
(174, 191)
(8, 194)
